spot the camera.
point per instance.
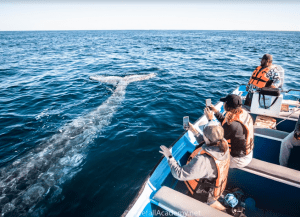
(185, 122)
(208, 102)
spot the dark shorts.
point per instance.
(249, 99)
(204, 193)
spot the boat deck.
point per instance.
(273, 189)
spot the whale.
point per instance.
(41, 172)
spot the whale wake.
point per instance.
(42, 171)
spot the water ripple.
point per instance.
(45, 86)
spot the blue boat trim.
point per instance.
(154, 202)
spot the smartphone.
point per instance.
(186, 122)
(208, 102)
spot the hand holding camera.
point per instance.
(209, 114)
(297, 134)
(210, 106)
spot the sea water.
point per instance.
(53, 165)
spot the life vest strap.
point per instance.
(258, 79)
(219, 188)
(249, 147)
(264, 100)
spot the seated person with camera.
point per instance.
(206, 171)
(265, 75)
(293, 139)
(238, 129)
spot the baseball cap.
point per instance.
(232, 100)
(267, 57)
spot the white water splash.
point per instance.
(42, 114)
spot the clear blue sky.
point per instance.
(148, 15)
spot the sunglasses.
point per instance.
(270, 61)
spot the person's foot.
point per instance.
(219, 206)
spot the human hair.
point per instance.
(215, 134)
(223, 145)
(231, 112)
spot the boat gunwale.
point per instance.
(137, 195)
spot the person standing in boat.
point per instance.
(206, 171)
(238, 129)
(293, 139)
(265, 75)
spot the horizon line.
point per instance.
(151, 30)
(148, 2)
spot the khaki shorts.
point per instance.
(240, 162)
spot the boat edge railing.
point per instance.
(148, 177)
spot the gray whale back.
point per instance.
(43, 170)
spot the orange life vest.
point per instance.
(246, 120)
(221, 181)
(259, 78)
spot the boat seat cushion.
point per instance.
(270, 132)
(273, 171)
(184, 205)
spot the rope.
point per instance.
(287, 116)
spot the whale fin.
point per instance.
(114, 80)
(132, 78)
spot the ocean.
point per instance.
(72, 146)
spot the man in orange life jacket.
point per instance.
(262, 76)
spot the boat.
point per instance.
(269, 189)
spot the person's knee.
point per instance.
(287, 144)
